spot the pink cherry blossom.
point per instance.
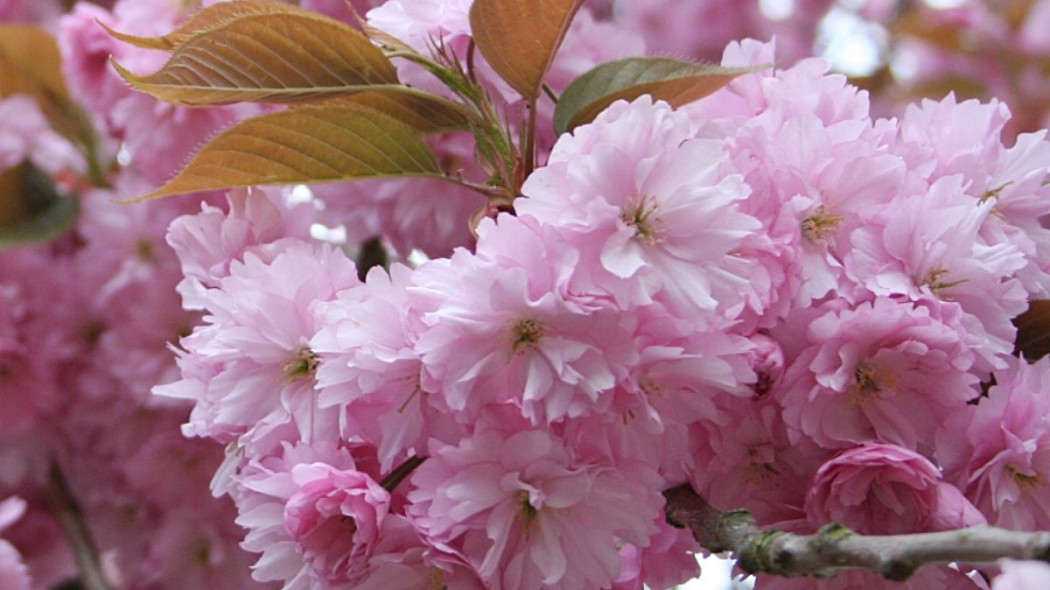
(999, 452)
(503, 329)
(1022, 575)
(251, 366)
(629, 184)
(884, 370)
(335, 518)
(13, 573)
(884, 489)
(526, 515)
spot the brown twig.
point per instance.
(834, 547)
(71, 518)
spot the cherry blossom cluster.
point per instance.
(796, 308)
(771, 295)
(85, 324)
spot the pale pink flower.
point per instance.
(527, 515)
(500, 328)
(251, 366)
(928, 247)
(1022, 575)
(668, 561)
(936, 143)
(884, 370)
(321, 521)
(335, 518)
(999, 452)
(949, 137)
(255, 220)
(882, 489)
(745, 459)
(679, 371)
(25, 134)
(369, 369)
(662, 207)
(14, 575)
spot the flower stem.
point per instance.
(71, 519)
(401, 472)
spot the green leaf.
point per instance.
(279, 58)
(31, 210)
(426, 113)
(309, 144)
(675, 81)
(519, 38)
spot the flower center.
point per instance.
(934, 279)
(819, 225)
(651, 387)
(302, 365)
(641, 215)
(869, 382)
(527, 509)
(525, 333)
(1023, 479)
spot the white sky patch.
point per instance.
(854, 46)
(717, 574)
(945, 3)
(416, 258)
(777, 10)
(300, 194)
(335, 235)
(905, 65)
(124, 155)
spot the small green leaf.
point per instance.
(308, 144)
(675, 81)
(31, 209)
(271, 57)
(519, 38)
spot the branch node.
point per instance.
(898, 570)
